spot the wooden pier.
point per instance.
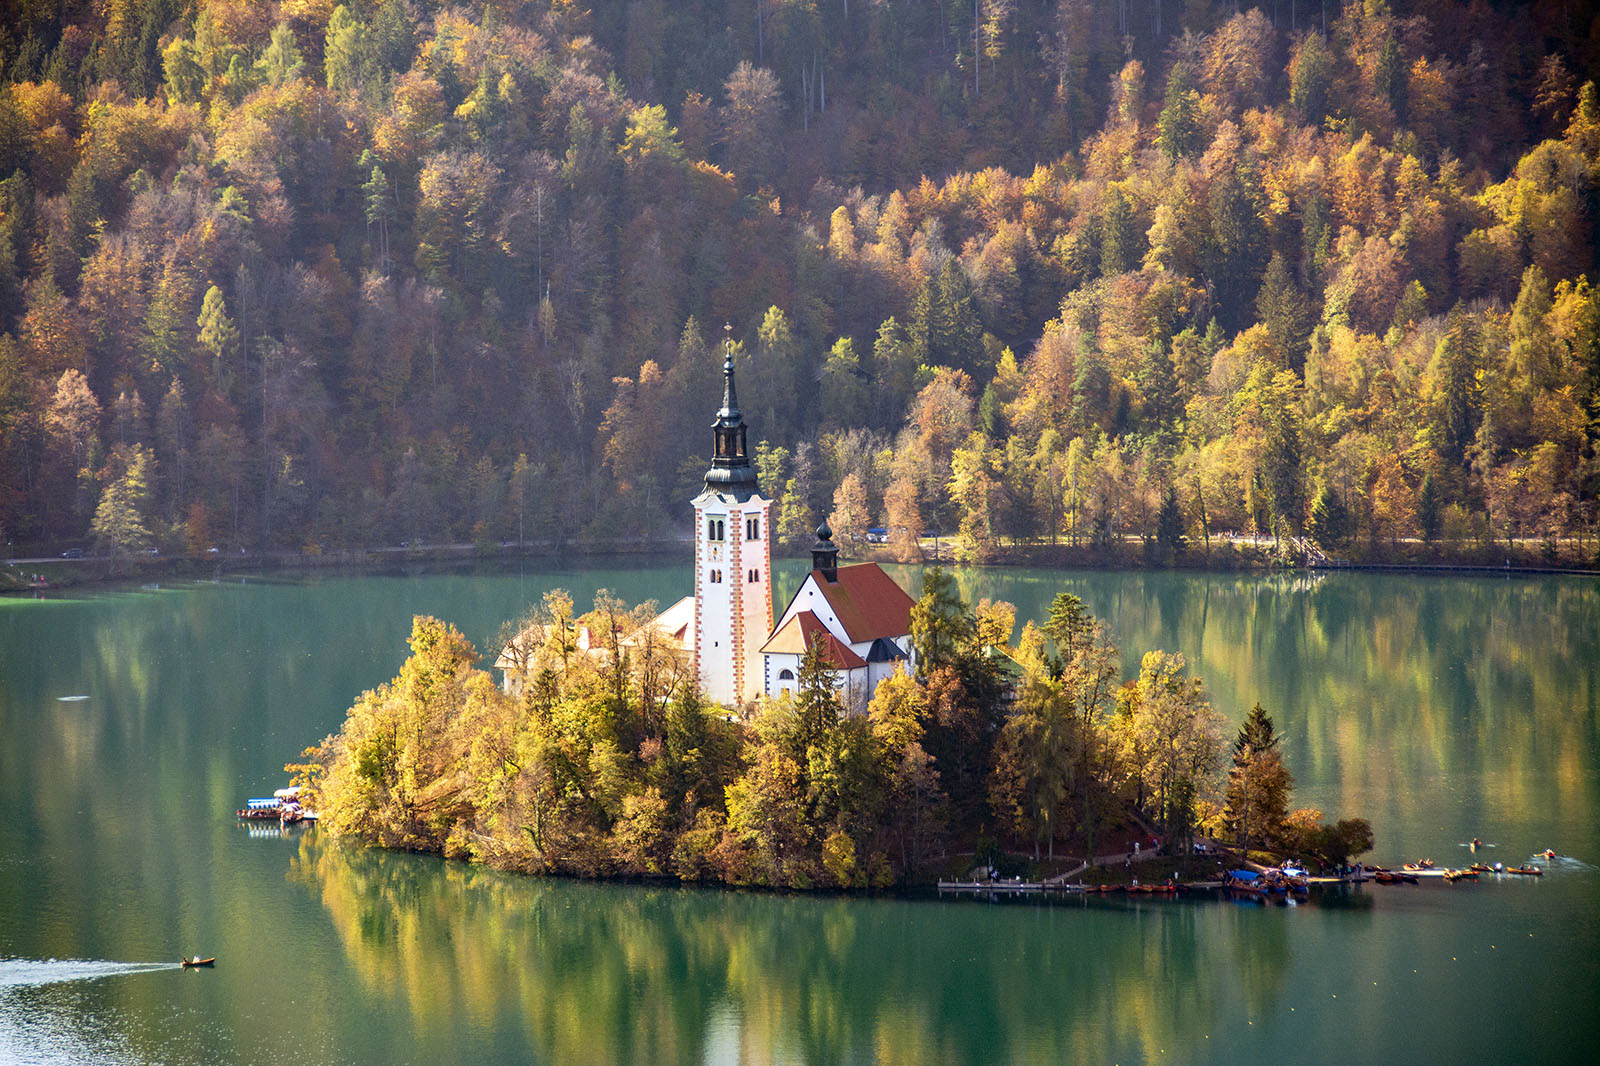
(1013, 888)
(1003, 888)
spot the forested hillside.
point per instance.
(275, 274)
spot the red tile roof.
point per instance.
(806, 629)
(867, 602)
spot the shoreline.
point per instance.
(16, 577)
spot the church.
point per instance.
(858, 615)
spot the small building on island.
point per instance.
(859, 616)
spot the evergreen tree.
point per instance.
(817, 706)
(1389, 77)
(944, 328)
(844, 388)
(1330, 520)
(1286, 313)
(1119, 249)
(1158, 384)
(1429, 508)
(281, 62)
(1259, 785)
(1256, 733)
(1170, 524)
(380, 211)
(893, 374)
(393, 41)
(1312, 78)
(1457, 393)
(1178, 131)
(1235, 243)
(1070, 625)
(347, 58)
(940, 625)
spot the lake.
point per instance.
(133, 722)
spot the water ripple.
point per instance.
(32, 973)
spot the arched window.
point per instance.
(714, 528)
(752, 529)
(785, 675)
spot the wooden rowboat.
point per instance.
(1530, 871)
(189, 964)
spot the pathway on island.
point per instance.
(1109, 859)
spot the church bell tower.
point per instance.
(733, 560)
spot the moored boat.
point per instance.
(262, 809)
(284, 807)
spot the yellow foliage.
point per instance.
(307, 16)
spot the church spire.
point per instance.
(731, 471)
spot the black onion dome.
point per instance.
(731, 471)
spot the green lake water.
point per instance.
(134, 722)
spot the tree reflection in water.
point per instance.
(622, 974)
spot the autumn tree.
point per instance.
(850, 516)
(1173, 736)
(1033, 765)
(749, 124)
(120, 528)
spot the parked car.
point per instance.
(877, 535)
(72, 553)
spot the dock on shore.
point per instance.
(994, 889)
